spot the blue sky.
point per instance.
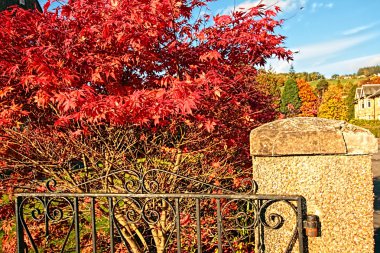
(332, 37)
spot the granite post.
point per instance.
(328, 162)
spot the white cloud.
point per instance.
(359, 29)
(280, 66)
(313, 57)
(339, 67)
(317, 5)
(349, 66)
(285, 5)
(330, 47)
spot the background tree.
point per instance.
(315, 76)
(322, 86)
(116, 84)
(290, 100)
(309, 101)
(269, 83)
(368, 71)
(333, 104)
(292, 72)
(349, 93)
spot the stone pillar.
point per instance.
(328, 162)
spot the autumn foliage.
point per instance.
(333, 105)
(309, 101)
(155, 70)
(131, 62)
(371, 80)
(142, 63)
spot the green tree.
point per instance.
(292, 72)
(368, 71)
(322, 86)
(315, 76)
(290, 100)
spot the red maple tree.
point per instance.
(152, 69)
(131, 62)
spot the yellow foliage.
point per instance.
(333, 105)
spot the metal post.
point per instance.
(19, 228)
(219, 224)
(300, 216)
(46, 202)
(110, 203)
(93, 222)
(178, 225)
(199, 240)
(76, 224)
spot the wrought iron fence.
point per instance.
(146, 219)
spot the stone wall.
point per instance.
(329, 163)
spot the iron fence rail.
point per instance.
(145, 210)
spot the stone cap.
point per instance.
(311, 136)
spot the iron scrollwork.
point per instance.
(46, 210)
(146, 218)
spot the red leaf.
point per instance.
(212, 55)
(210, 125)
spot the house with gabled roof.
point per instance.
(367, 102)
(26, 4)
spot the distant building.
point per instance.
(26, 4)
(367, 102)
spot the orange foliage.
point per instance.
(309, 101)
(372, 80)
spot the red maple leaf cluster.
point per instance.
(132, 62)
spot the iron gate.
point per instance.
(204, 218)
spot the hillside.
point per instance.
(353, 80)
